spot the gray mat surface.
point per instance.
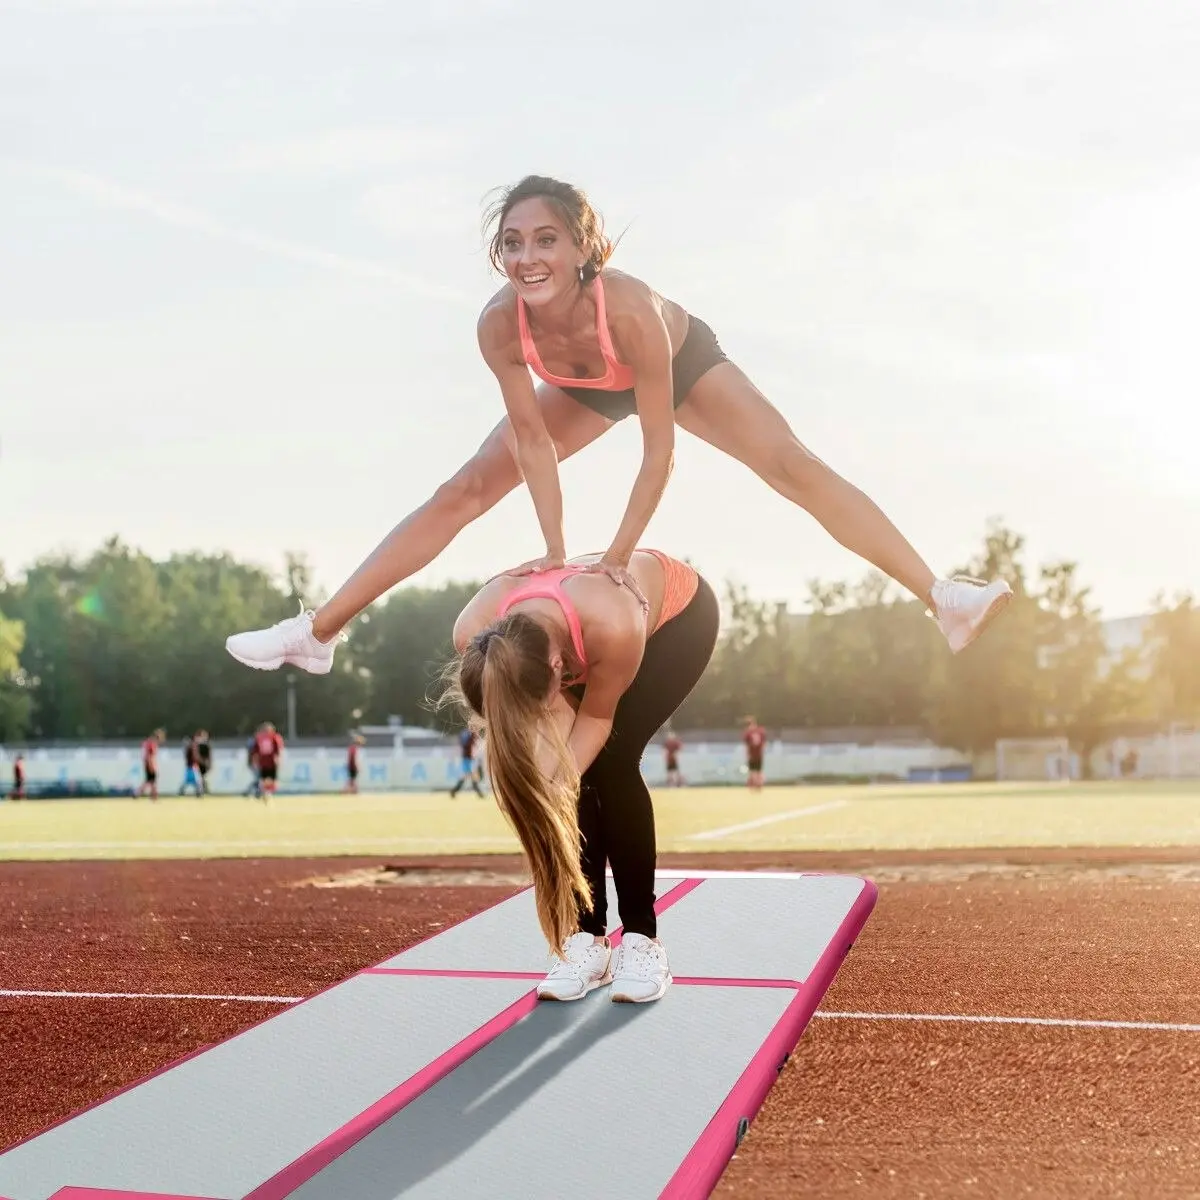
(581, 1100)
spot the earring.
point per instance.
(581, 279)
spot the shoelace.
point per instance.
(311, 613)
(953, 605)
(564, 969)
(636, 961)
(578, 961)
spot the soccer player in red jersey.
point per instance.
(755, 738)
(150, 763)
(672, 746)
(268, 749)
(18, 792)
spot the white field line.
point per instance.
(1067, 1022)
(1063, 1022)
(771, 819)
(148, 996)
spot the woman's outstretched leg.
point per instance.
(309, 639)
(726, 410)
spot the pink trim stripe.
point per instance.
(75, 1193)
(684, 980)
(702, 1168)
(337, 1143)
(450, 973)
(715, 981)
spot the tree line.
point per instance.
(115, 644)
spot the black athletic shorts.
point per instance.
(268, 772)
(754, 762)
(699, 353)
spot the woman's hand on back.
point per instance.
(620, 574)
(548, 562)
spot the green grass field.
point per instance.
(701, 819)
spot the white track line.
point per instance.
(151, 996)
(1071, 1023)
(709, 834)
(1062, 1021)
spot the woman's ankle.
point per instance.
(322, 627)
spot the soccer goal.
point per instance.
(1034, 759)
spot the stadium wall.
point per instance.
(322, 768)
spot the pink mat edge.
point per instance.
(705, 1163)
(78, 1193)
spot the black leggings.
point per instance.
(616, 816)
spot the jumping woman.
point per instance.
(605, 346)
(568, 678)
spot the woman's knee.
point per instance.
(478, 485)
(796, 470)
(613, 774)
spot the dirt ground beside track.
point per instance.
(868, 1105)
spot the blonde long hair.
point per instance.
(502, 681)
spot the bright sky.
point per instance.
(957, 244)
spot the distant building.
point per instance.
(1122, 634)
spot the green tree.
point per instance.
(42, 602)
(866, 656)
(16, 701)
(208, 596)
(1174, 651)
(732, 685)
(403, 644)
(1083, 695)
(991, 690)
(118, 644)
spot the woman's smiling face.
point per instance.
(540, 257)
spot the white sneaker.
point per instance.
(965, 607)
(584, 969)
(289, 641)
(640, 971)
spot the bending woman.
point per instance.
(606, 346)
(568, 678)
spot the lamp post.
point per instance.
(291, 707)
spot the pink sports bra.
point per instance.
(618, 376)
(680, 582)
(547, 585)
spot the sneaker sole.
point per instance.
(591, 987)
(993, 610)
(314, 666)
(622, 998)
